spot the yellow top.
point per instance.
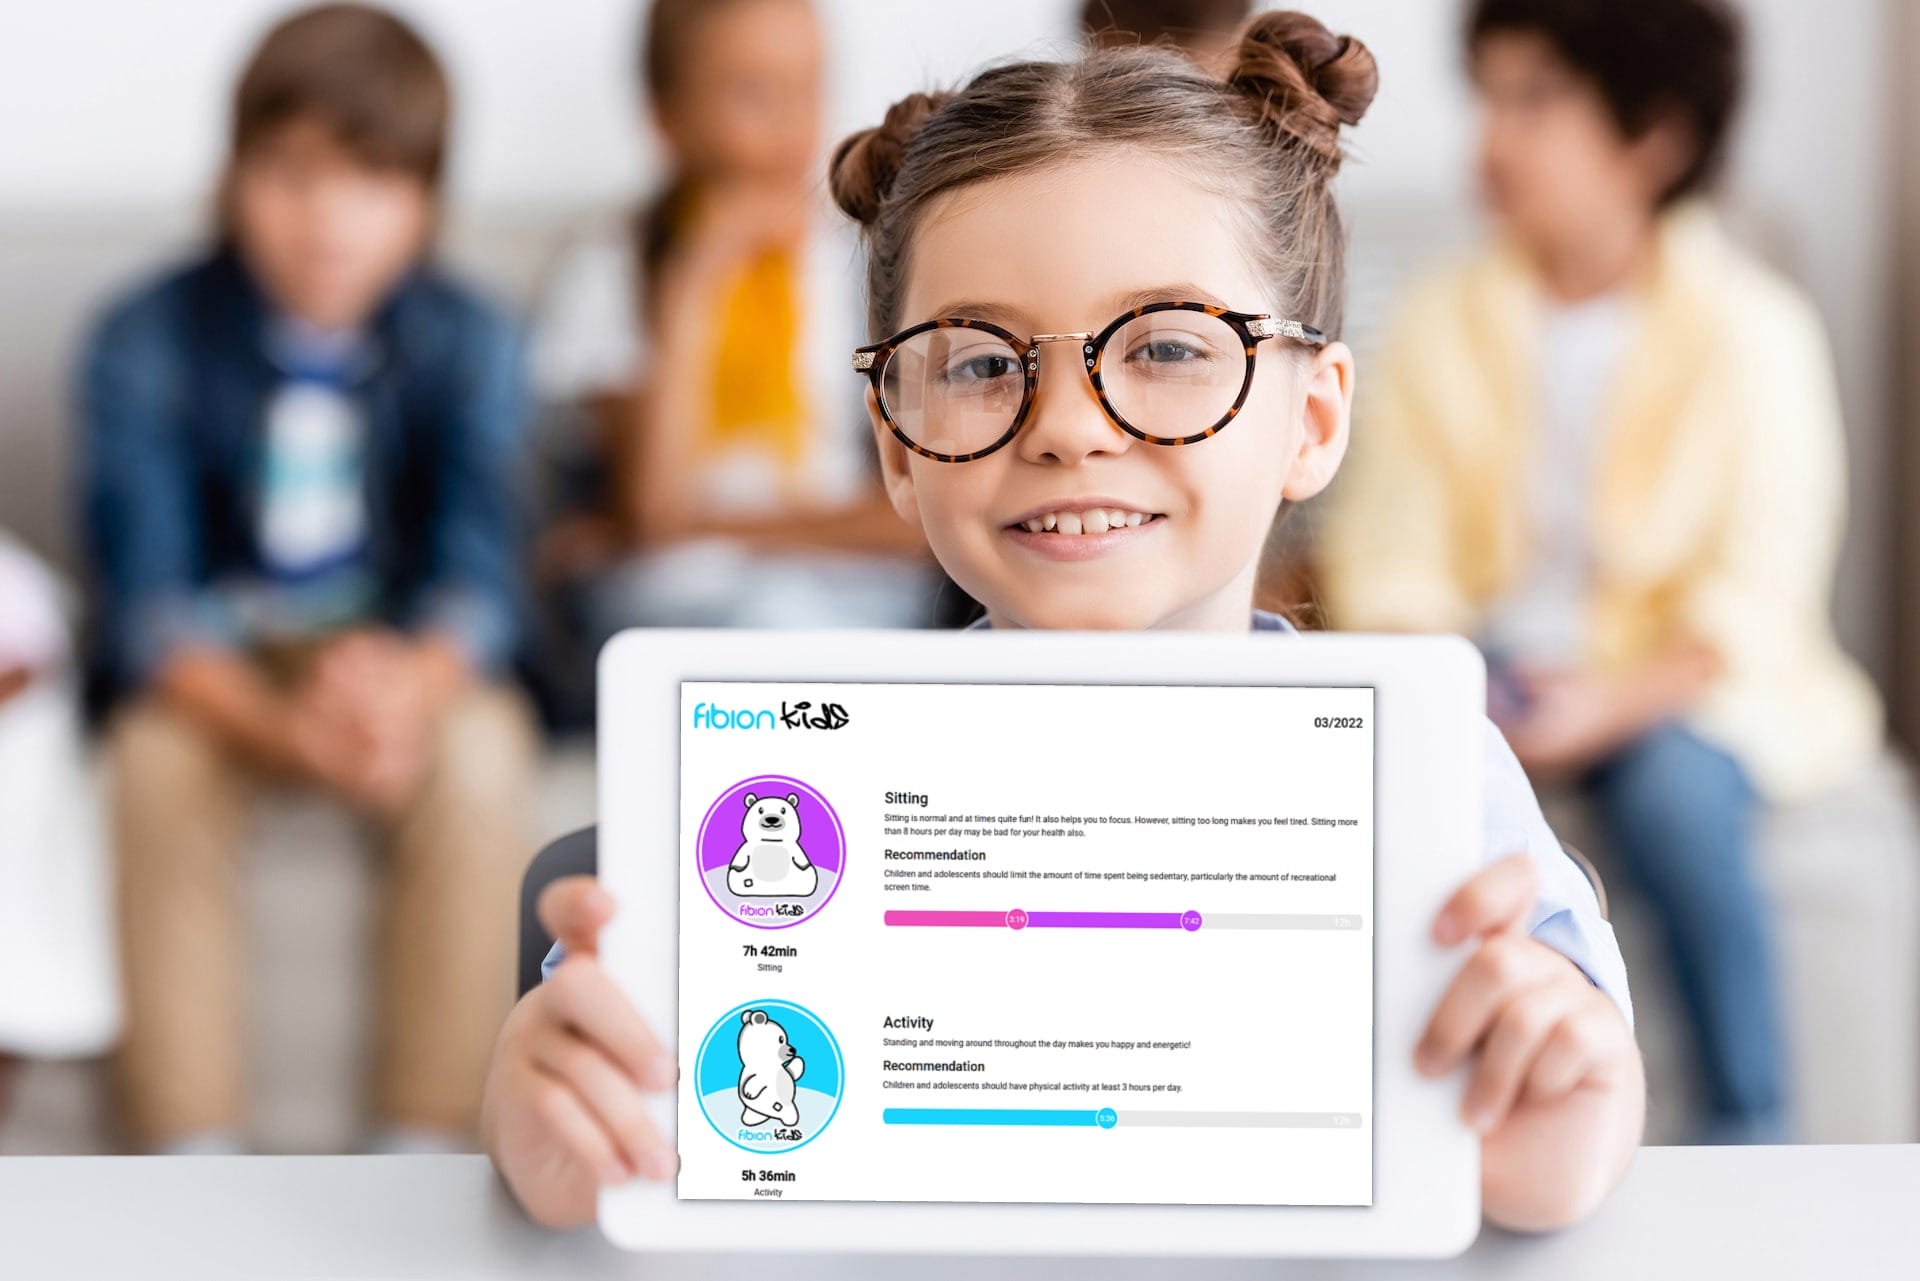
(1719, 495)
(757, 402)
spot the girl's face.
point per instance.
(748, 103)
(1066, 249)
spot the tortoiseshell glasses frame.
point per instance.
(1252, 329)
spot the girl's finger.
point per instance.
(1503, 966)
(610, 1095)
(582, 998)
(573, 910)
(565, 1116)
(1497, 900)
(1520, 1031)
(1567, 1059)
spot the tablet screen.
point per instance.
(1026, 943)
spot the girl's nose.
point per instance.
(1066, 423)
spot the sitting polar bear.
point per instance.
(770, 862)
(769, 1066)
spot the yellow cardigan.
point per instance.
(1718, 503)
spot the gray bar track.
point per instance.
(1280, 921)
(1243, 1120)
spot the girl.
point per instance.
(704, 338)
(1032, 206)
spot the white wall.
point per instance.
(121, 102)
(115, 108)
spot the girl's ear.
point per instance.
(894, 471)
(1324, 419)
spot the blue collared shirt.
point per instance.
(1566, 913)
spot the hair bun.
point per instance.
(865, 164)
(1306, 81)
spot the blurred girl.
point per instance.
(701, 339)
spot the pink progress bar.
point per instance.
(1017, 919)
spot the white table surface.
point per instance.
(1682, 1212)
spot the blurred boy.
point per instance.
(301, 455)
(1611, 448)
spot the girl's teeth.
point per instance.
(1093, 521)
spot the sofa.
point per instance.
(1842, 872)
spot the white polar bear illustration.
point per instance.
(768, 1068)
(770, 862)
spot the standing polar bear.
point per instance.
(769, 1066)
(770, 862)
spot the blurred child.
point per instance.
(300, 471)
(60, 998)
(1204, 30)
(1129, 213)
(702, 338)
(1611, 448)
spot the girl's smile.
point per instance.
(1072, 529)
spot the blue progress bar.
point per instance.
(1102, 1117)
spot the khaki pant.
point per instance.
(447, 928)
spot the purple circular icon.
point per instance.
(1190, 921)
(1017, 918)
(771, 851)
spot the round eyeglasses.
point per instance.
(1168, 373)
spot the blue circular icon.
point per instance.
(769, 1076)
(1107, 1118)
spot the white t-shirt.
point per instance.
(1543, 618)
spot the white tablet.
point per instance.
(1043, 942)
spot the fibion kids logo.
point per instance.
(798, 715)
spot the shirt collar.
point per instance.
(1263, 621)
(306, 354)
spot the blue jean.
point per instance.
(1680, 815)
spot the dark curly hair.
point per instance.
(1648, 58)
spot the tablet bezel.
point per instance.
(1429, 755)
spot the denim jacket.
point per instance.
(172, 390)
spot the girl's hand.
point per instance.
(564, 1112)
(1557, 1091)
(736, 221)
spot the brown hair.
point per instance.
(666, 40)
(1120, 22)
(365, 75)
(1269, 136)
